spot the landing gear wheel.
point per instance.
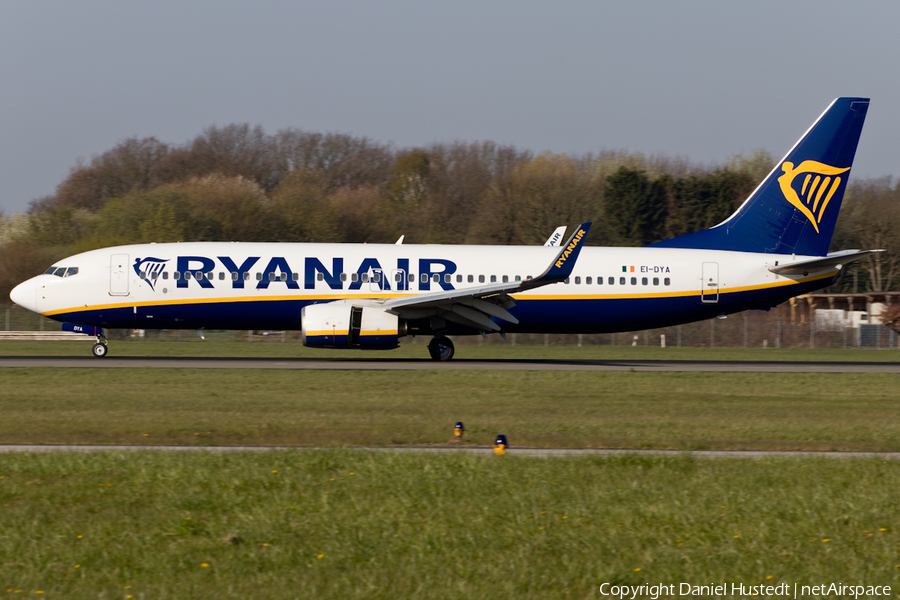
(100, 350)
(441, 348)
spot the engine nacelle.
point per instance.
(338, 325)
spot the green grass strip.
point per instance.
(765, 411)
(355, 524)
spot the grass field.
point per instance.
(344, 523)
(355, 524)
(545, 409)
(418, 350)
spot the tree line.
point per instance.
(237, 183)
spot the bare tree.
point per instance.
(127, 166)
(870, 219)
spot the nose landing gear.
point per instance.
(101, 348)
(441, 348)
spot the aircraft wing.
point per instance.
(835, 259)
(474, 307)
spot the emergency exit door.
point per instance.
(118, 275)
(709, 292)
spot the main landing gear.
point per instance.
(101, 348)
(441, 348)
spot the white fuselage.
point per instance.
(265, 285)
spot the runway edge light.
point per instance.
(500, 444)
(459, 429)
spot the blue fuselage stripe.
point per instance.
(591, 315)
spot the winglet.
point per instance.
(556, 237)
(562, 265)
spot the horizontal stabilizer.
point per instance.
(833, 260)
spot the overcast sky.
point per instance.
(702, 80)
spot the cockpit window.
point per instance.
(61, 271)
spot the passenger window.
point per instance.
(643, 281)
(621, 281)
(493, 279)
(343, 277)
(578, 280)
(221, 275)
(376, 277)
(424, 277)
(259, 276)
(459, 279)
(398, 277)
(588, 280)
(447, 278)
(656, 281)
(71, 271)
(506, 279)
(165, 274)
(666, 281)
(611, 281)
(411, 277)
(481, 279)
(436, 278)
(354, 277)
(365, 278)
(246, 276)
(470, 279)
(234, 276)
(187, 275)
(518, 278)
(320, 276)
(155, 275)
(634, 281)
(271, 276)
(284, 276)
(176, 275)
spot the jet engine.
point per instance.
(338, 325)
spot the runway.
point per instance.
(384, 364)
(481, 450)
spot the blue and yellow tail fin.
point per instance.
(795, 209)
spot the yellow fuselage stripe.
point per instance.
(517, 297)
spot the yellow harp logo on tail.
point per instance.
(818, 187)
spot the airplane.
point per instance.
(368, 296)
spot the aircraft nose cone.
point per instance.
(25, 295)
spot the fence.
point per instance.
(750, 329)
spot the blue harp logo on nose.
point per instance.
(149, 269)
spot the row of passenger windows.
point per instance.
(376, 277)
(62, 271)
(622, 281)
